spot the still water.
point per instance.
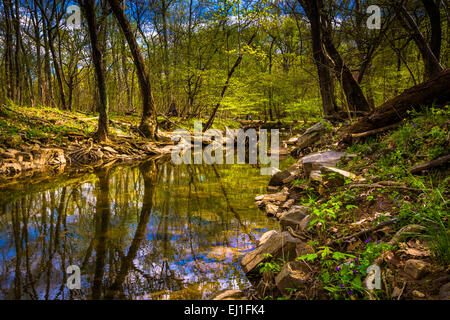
(148, 231)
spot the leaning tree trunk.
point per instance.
(431, 61)
(312, 9)
(433, 91)
(148, 126)
(356, 100)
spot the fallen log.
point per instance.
(434, 163)
(376, 131)
(433, 91)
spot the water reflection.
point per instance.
(153, 231)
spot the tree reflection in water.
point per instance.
(152, 231)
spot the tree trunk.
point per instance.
(9, 50)
(226, 85)
(148, 126)
(432, 65)
(326, 85)
(355, 97)
(435, 90)
(99, 66)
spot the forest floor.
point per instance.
(378, 212)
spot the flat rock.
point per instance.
(316, 161)
(279, 196)
(336, 177)
(418, 294)
(266, 237)
(229, 295)
(280, 245)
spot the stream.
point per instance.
(152, 230)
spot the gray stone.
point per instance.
(271, 209)
(285, 177)
(416, 268)
(316, 161)
(294, 217)
(292, 276)
(229, 295)
(444, 292)
(336, 177)
(280, 196)
(266, 237)
(312, 135)
(303, 248)
(288, 204)
(304, 224)
(418, 294)
(281, 245)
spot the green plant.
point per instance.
(342, 274)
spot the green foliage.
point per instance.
(342, 274)
(270, 266)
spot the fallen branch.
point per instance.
(375, 131)
(433, 91)
(378, 185)
(434, 163)
(367, 231)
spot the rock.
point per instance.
(288, 204)
(280, 245)
(418, 294)
(336, 177)
(286, 176)
(303, 248)
(229, 295)
(292, 276)
(416, 268)
(316, 161)
(271, 209)
(266, 237)
(280, 196)
(312, 135)
(444, 292)
(292, 141)
(315, 175)
(272, 189)
(304, 224)
(294, 217)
